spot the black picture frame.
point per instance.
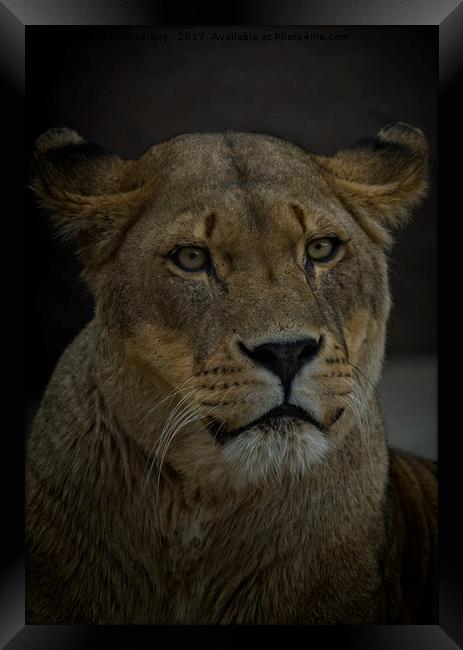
(447, 17)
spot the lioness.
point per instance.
(210, 447)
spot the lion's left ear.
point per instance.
(381, 178)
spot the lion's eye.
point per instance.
(322, 250)
(190, 258)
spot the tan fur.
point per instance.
(136, 512)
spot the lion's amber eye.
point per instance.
(322, 250)
(190, 258)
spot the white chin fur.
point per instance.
(261, 455)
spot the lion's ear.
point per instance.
(93, 195)
(382, 178)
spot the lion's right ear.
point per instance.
(93, 195)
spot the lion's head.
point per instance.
(245, 282)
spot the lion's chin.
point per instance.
(288, 449)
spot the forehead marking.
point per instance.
(210, 223)
(243, 182)
(299, 214)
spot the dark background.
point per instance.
(138, 11)
(127, 94)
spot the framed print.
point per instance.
(276, 390)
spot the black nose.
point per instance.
(284, 359)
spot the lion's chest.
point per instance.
(219, 575)
(258, 569)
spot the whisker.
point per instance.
(361, 412)
(171, 415)
(363, 377)
(173, 393)
(194, 415)
(188, 414)
(381, 397)
(178, 412)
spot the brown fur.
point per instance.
(132, 521)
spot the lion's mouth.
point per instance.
(272, 417)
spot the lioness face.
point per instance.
(251, 291)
